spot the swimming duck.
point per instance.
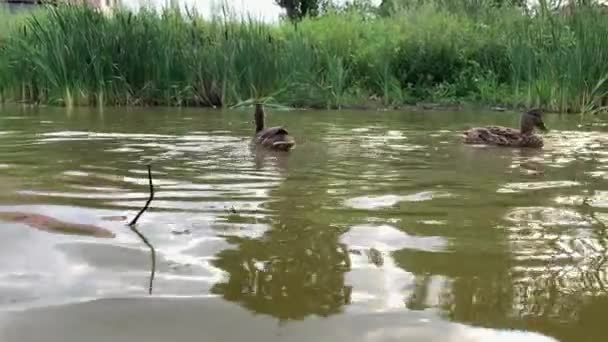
(510, 137)
(276, 138)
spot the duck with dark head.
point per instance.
(275, 138)
(510, 137)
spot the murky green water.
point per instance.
(378, 227)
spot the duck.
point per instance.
(510, 137)
(274, 138)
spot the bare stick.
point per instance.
(141, 236)
(149, 198)
(152, 254)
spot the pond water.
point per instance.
(379, 226)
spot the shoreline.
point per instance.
(418, 107)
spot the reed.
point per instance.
(438, 51)
(555, 59)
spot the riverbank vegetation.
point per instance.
(423, 51)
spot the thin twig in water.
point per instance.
(153, 256)
(141, 236)
(134, 222)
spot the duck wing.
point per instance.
(507, 132)
(496, 135)
(271, 132)
(276, 138)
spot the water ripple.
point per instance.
(385, 201)
(372, 212)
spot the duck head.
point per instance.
(259, 117)
(532, 119)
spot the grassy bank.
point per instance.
(503, 56)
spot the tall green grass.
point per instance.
(74, 55)
(558, 60)
(8, 22)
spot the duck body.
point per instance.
(501, 136)
(509, 137)
(275, 138)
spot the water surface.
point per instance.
(379, 226)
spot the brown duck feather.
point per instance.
(501, 136)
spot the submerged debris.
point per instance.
(51, 224)
(117, 218)
(181, 232)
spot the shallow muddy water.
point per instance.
(379, 226)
